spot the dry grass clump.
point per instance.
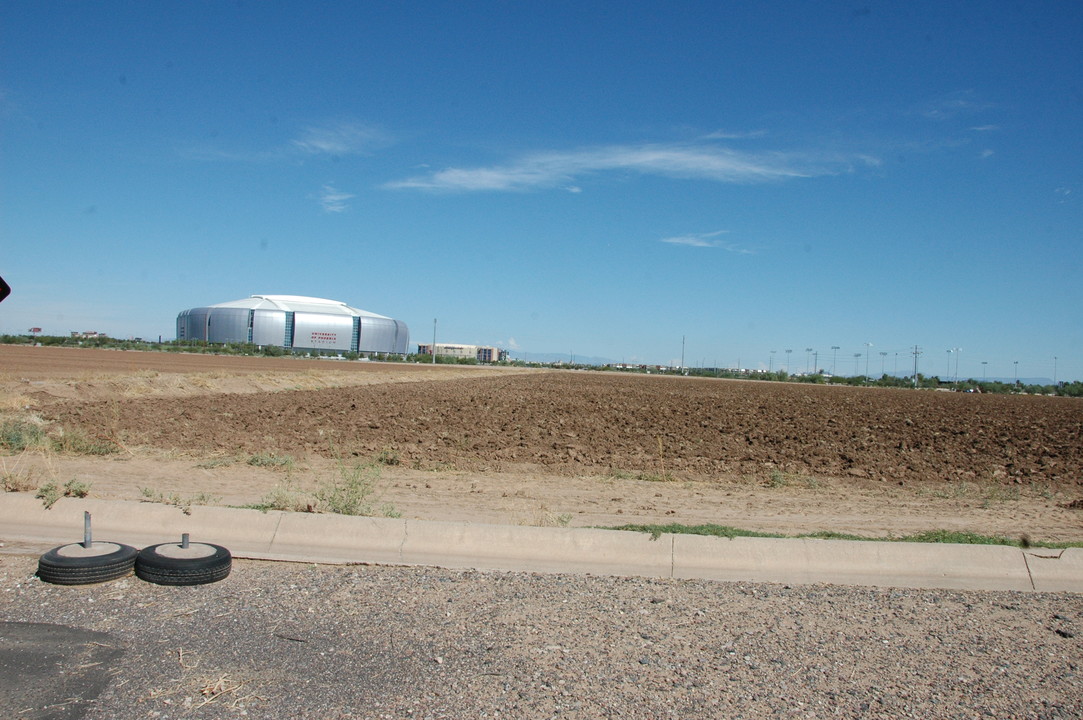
(287, 498)
(544, 517)
(16, 481)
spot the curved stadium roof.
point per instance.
(297, 303)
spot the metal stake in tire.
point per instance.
(183, 563)
(86, 562)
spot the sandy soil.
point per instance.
(546, 448)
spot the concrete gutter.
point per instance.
(303, 537)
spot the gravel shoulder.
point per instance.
(278, 640)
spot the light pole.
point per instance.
(983, 364)
(867, 346)
(771, 364)
(883, 359)
(1054, 371)
(1016, 363)
(948, 374)
(958, 352)
(434, 341)
(857, 356)
(834, 354)
(788, 360)
(808, 351)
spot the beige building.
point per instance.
(481, 353)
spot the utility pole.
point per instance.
(916, 352)
(434, 341)
(834, 355)
(682, 352)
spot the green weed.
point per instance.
(214, 463)
(76, 488)
(931, 536)
(49, 493)
(354, 490)
(388, 456)
(19, 435)
(79, 443)
(270, 460)
(184, 504)
(777, 479)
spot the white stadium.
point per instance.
(294, 322)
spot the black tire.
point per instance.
(76, 565)
(171, 564)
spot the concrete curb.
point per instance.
(341, 539)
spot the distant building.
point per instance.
(295, 323)
(481, 353)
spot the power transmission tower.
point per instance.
(916, 351)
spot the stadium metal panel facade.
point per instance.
(295, 323)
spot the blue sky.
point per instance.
(596, 179)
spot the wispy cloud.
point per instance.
(951, 105)
(675, 160)
(986, 153)
(344, 138)
(726, 135)
(710, 239)
(334, 200)
(335, 139)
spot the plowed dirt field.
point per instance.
(547, 447)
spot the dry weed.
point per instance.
(221, 688)
(18, 481)
(544, 517)
(214, 690)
